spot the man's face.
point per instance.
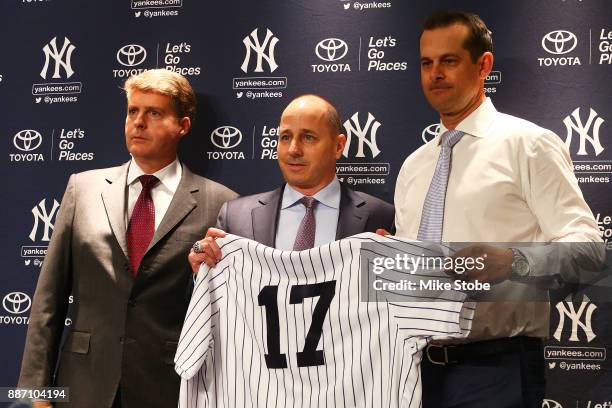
(307, 147)
(152, 129)
(450, 80)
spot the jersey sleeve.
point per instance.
(196, 339)
(435, 319)
(420, 308)
(197, 336)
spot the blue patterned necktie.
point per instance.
(305, 236)
(432, 216)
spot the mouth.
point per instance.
(138, 138)
(295, 166)
(439, 89)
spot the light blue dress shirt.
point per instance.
(292, 212)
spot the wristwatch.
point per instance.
(520, 265)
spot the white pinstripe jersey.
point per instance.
(270, 328)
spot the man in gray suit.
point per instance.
(309, 144)
(119, 246)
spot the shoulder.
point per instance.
(423, 154)
(255, 200)
(95, 179)
(512, 125)
(368, 201)
(527, 136)
(209, 187)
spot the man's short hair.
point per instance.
(479, 38)
(167, 83)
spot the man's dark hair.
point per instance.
(479, 38)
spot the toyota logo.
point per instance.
(27, 140)
(430, 132)
(131, 55)
(331, 49)
(226, 137)
(548, 403)
(559, 42)
(16, 302)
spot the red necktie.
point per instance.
(142, 224)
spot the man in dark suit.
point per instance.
(119, 246)
(312, 208)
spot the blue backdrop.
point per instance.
(62, 111)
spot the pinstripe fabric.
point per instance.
(432, 216)
(371, 350)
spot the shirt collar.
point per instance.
(476, 123)
(328, 196)
(169, 176)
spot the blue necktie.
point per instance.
(432, 216)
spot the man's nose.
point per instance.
(295, 148)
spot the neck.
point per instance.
(151, 166)
(451, 120)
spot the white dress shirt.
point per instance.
(292, 212)
(169, 179)
(510, 181)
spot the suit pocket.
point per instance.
(77, 342)
(170, 351)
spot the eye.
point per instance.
(425, 64)
(132, 111)
(309, 137)
(284, 138)
(154, 113)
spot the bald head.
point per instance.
(320, 104)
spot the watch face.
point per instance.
(523, 267)
(520, 266)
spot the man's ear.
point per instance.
(340, 146)
(485, 63)
(185, 124)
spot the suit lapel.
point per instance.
(182, 204)
(114, 198)
(265, 218)
(352, 217)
